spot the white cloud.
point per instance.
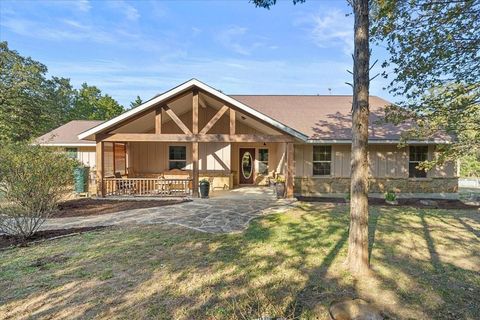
(196, 31)
(71, 30)
(230, 39)
(82, 5)
(129, 11)
(331, 29)
(74, 24)
(241, 41)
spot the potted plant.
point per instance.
(391, 198)
(280, 187)
(204, 188)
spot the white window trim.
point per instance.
(259, 161)
(170, 160)
(417, 162)
(322, 161)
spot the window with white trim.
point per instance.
(417, 154)
(177, 157)
(322, 160)
(263, 161)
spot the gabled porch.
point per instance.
(168, 145)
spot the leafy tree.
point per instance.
(138, 101)
(60, 97)
(434, 51)
(30, 104)
(470, 165)
(90, 104)
(33, 179)
(358, 234)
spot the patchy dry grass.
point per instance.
(425, 266)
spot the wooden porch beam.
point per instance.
(195, 169)
(290, 170)
(99, 168)
(232, 121)
(202, 102)
(140, 137)
(244, 138)
(145, 137)
(158, 120)
(177, 120)
(195, 112)
(214, 120)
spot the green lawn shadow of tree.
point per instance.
(184, 252)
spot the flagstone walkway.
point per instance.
(216, 215)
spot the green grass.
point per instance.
(425, 265)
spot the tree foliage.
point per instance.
(434, 49)
(470, 165)
(33, 179)
(32, 104)
(267, 4)
(90, 104)
(138, 101)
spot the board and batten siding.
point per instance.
(152, 157)
(86, 155)
(385, 161)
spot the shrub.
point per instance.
(390, 196)
(470, 165)
(33, 179)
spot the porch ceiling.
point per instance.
(250, 116)
(183, 105)
(147, 123)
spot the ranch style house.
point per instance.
(191, 132)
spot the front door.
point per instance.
(247, 160)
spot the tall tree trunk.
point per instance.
(358, 234)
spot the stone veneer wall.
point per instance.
(311, 186)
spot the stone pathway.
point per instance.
(206, 215)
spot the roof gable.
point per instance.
(189, 85)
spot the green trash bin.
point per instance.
(81, 179)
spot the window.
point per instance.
(322, 160)
(177, 157)
(71, 152)
(263, 161)
(417, 155)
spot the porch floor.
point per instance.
(245, 193)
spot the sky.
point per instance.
(130, 48)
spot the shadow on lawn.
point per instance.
(283, 265)
(438, 290)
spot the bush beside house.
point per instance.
(33, 180)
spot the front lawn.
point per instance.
(425, 263)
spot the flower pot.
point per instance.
(280, 189)
(392, 202)
(204, 189)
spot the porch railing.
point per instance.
(147, 187)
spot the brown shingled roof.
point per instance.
(321, 117)
(66, 135)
